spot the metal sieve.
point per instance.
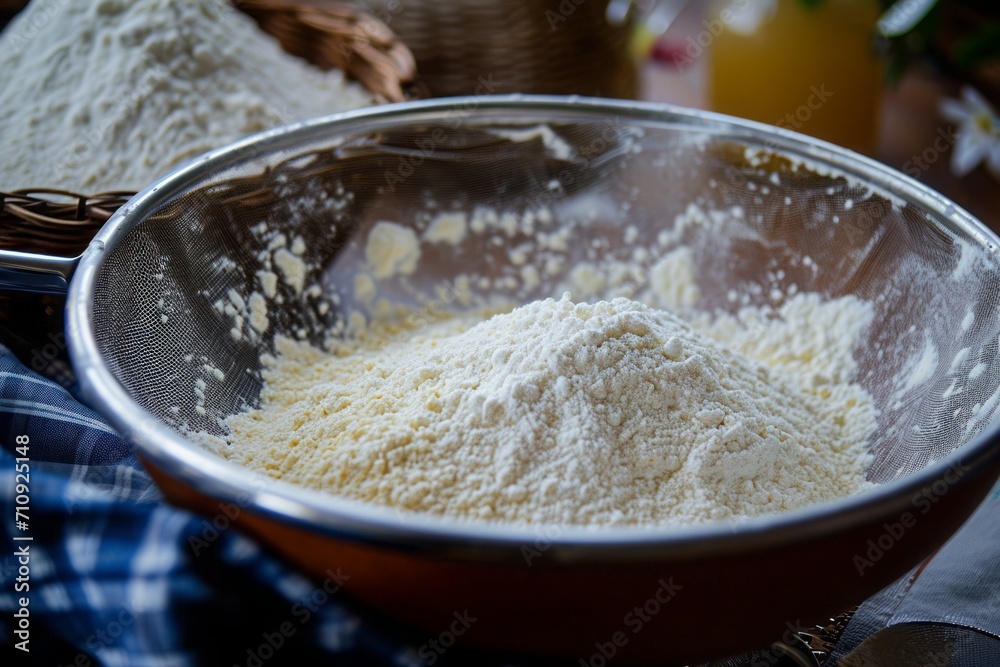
(783, 213)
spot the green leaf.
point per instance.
(979, 47)
(904, 16)
(812, 5)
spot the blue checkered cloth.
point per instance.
(118, 577)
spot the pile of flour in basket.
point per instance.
(112, 94)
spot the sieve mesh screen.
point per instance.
(778, 220)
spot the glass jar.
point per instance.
(809, 66)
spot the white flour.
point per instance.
(392, 250)
(449, 228)
(568, 413)
(111, 94)
(560, 412)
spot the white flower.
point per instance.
(978, 133)
(748, 15)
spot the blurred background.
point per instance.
(871, 75)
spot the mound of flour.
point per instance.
(610, 413)
(111, 94)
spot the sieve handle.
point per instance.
(31, 272)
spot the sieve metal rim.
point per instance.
(364, 523)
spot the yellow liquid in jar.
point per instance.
(810, 70)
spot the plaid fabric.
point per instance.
(117, 576)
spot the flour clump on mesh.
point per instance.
(112, 94)
(609, 413)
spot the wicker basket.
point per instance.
(334, 35)
(62, 223)
(466, 47)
